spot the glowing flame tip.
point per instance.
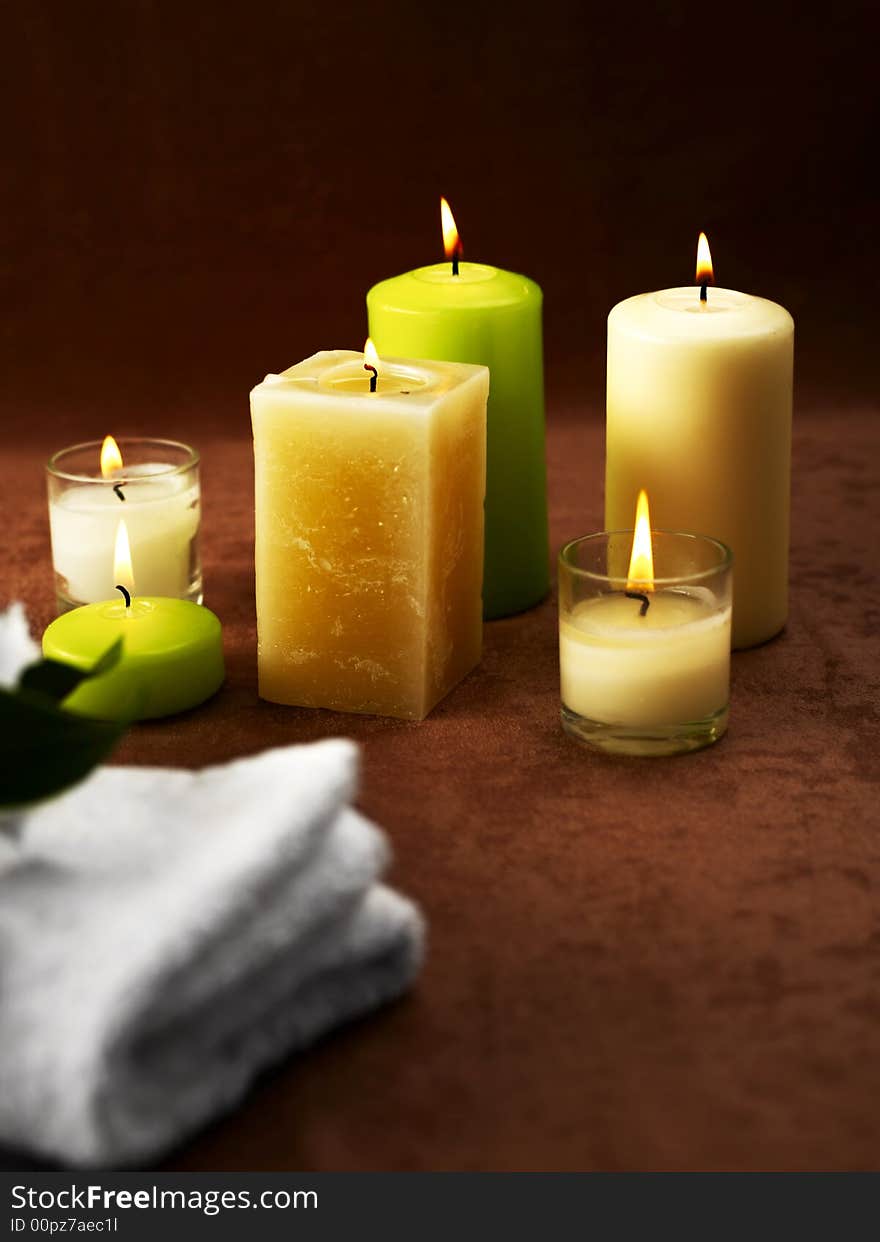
(122, 571)
(111, 458)
(451, 239)
(641, 562)
(705, 275)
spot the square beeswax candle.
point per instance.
(369, 531)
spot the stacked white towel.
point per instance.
(166, 935)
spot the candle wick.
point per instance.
(117, 487)
(374, 375)
(704, 295)
(126, 595)
(455, 264)
(646, 603)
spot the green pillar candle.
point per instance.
(470, 312)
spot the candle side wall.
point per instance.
(340, 569)
(455, 540)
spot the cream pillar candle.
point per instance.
(699, 414)
(369, 531)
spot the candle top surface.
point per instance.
(679, 315)
(340, 374)
(672, 614)
(152, 625)
(435, 288)
(140, 486)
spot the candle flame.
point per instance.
(371, 355)
(111, 458)
(451, 240)
(122, 571)
(641, 562)
(705, 275)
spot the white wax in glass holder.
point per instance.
(645, 670)
(156, 492)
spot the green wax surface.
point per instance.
(172, 657)
(493, 318)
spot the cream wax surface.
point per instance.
(670, 666)
(161, 512)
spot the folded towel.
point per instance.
(17, 648)
(165, 935)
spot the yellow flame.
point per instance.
(451, 239)
(705, 275)
(111, 458)
(371, 355)
(641, 562)
(122, 571)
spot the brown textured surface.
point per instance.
(664, 964)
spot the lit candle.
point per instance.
(156, 490)
(471, 312)
(172, 657)
(699, 413)
(644, 651)
(370, 478)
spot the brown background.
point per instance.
(201, 193)
(672, 965)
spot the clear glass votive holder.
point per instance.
(155, 492)
(645, 671)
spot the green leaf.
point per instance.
(43, 748)
(56, 680)
(46, 749)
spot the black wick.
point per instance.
(125, 594)
(704, 297)
(646, 603)
(117, 487)
(455, 257)
(373, 376)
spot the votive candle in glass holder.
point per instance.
(645, 659)
(154, 486)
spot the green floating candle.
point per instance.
(470, 312)
(172, 657)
